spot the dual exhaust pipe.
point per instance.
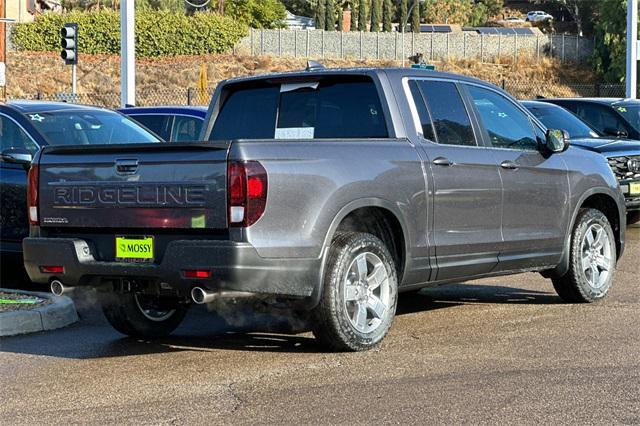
(199, 295)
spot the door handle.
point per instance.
(442, 161)
(508, 165)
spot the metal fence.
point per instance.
(434, 46)
(192, 96)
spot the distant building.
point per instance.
(295, 22)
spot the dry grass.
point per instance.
(30, 72)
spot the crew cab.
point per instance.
(328, 191)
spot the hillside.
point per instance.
(166, 80)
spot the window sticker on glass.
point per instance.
(36, 117)
(295, 133)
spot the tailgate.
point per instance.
(134, 186)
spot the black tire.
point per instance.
(633, 217)
(124, 313)
(574, 286)
(330, 320)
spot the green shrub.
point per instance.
(158, 33)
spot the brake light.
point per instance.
(247, 192)
(32, 194)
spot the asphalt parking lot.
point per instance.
(503, 350)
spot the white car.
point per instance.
(513, 20)
(538, 16)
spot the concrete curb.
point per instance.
(60, 313)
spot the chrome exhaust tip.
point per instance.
(202, 296)
(58, 289)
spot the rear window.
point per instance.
(88, 127)
(334, 107)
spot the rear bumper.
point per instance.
(234, 266)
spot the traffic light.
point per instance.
(69, 43)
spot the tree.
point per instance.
(354, 18)
(300, 7)
(329, 15)
(415, 17)
(610, 48)
(387, 15)
(362, 15)
(320, 17)
(376, 12)
(581, 11)
(448, 11)
(402, 16)
(257, 13)
(492, 7)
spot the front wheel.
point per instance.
(359, 296)
(592, 260)
(139, 315)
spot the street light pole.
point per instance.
(127, 53)
(632, 49)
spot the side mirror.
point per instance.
(614, 132)
(17, 156)
(556, 140)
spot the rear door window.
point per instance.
(13, 137)
(339, 107)
(186, 129)
(160, 124)
(448, 114)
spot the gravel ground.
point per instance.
(7, 307)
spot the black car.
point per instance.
(608, 116)
(25, 126)
(623, 154)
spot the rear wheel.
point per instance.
(633, 217)
(592, 259)
(140, 315)
(359, 295)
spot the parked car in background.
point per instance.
(513, 20)
(623, 155)
(327, 191)
(608, 116)
(26, 126)
(538, 16)
(171, 123)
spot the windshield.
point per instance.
(560, 119)
(88, 128)
(631, 114)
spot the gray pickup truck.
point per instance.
(329, 192)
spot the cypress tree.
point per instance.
(320, 15)
(340, 16)
(362, 15)
(403, 13)
(354, 19)
(415, 17)
(387, 15)
(376, 11)
(330, 15)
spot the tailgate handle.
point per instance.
(126, 167)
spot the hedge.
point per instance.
(157, 33)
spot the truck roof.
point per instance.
(391, 72)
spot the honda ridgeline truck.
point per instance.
(330, 191)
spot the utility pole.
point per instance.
(632, 48)
(127, 53)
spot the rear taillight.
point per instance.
(32, 194)
(247, 191)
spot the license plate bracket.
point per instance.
(134, 248)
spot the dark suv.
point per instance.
(623, 155)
